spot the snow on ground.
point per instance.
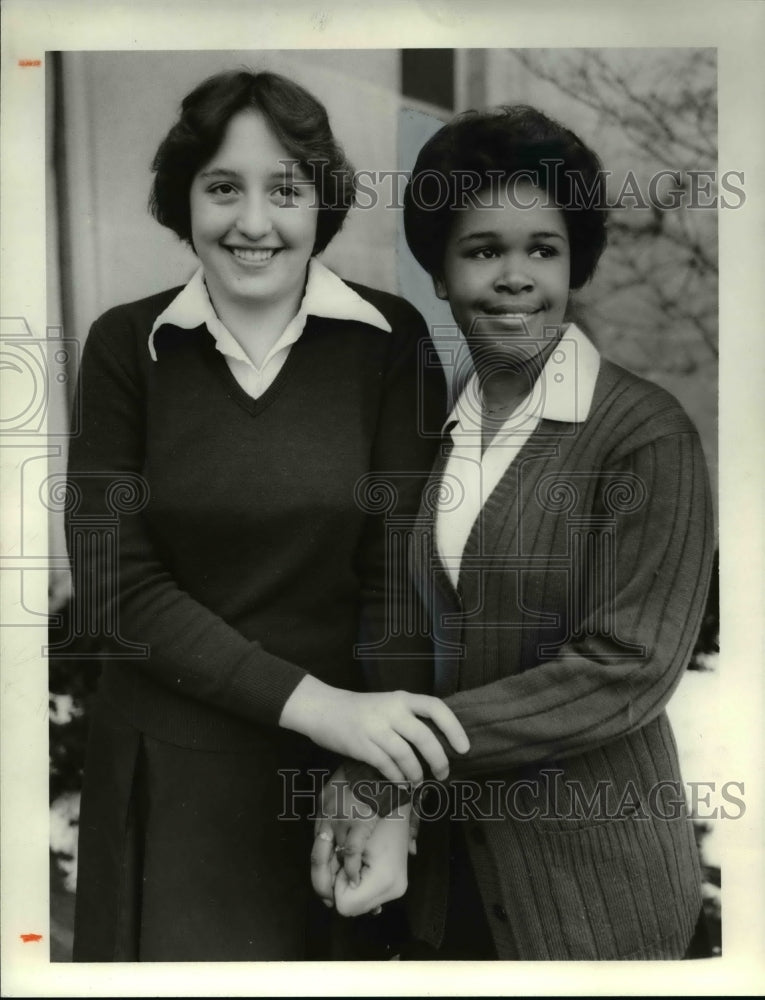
(694, 713)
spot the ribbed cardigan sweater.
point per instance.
(580, 595)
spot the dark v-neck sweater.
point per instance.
(259, 545)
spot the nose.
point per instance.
(514, 274)
(254, 218)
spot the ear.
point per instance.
(440, 286)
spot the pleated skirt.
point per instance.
(192, 855)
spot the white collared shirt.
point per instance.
(562, 392)
(325, 295)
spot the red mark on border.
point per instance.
(26, 938)
(30, 62)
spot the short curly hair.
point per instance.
(506, 142)
(299, 121)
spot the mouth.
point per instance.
(511, 312)
(506, 320)
(501, 323)
(254, 256)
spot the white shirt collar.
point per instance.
(325, 295)
(563, 391)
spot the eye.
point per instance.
(483, 253)
(222, 189)
(544, 252)
(286, 194)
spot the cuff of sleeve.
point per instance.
(259, 690)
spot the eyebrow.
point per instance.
(275, 175)
(491, 234)
(218, 172)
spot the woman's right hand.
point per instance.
(381, 729)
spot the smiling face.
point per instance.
(506, 273)
(253, 219)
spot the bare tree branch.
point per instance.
(659, 275)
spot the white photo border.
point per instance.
(737, 31)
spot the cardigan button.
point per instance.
(499, 912)
(477, 835)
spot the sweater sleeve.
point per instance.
(590, 693)
(395, 647)
(190, 649)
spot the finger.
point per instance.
(414, 821)
(376, 912)
(384, 763)
(322, 855)
(355, 843)
(396, 746)
(440, 713)
(420, 737)
(429, 748)
(340, 830)
(352, 902)
(414, 829)
(344, 896)
(356, 902)
(335, 866)
(339, 891)
(323, 846)
(323, 843)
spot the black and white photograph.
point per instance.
(381, 502)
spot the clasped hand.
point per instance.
(359, 859)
